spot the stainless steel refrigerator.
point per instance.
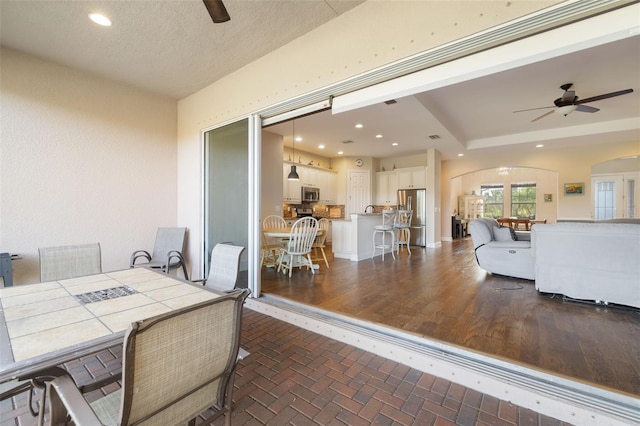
(415, 200)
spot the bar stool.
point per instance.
(388, 219)
(402, 226)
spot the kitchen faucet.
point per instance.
(372, 208)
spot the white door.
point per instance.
(359, 190)
(608, 197)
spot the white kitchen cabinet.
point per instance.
(328, 186)
(386, 188)
(325, 180)
(470, 206)
(291, 193)
(309, 176)
(412, 178)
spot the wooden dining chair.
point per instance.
(271, 248)
(176, 366)
(297, 252)
(319, 242)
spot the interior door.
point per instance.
(608, 197)
(359, 190)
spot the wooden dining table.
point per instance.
(284, 233)
(46, 324)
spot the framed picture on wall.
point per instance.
(574, 188)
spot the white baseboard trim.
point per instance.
(554, 396)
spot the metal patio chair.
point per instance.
(59, 263)
(167, 252)
(176, 366)
(224, 267)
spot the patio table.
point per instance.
(46, 324)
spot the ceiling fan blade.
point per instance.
(605, 96)
(217, 11)
(533, 109)
(543, 115)
(586, 108)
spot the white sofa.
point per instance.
(589, 261)
(498, 253)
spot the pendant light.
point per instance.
(293, 175)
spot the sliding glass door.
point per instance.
(226, 187)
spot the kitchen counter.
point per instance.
(352, 238)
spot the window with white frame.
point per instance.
(493, 200)
(523, 200)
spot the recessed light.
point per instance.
(100, 19)
(378, 136)
(321, 146)
(340, 152)
(539, 145)
(359, 126)
(298, 139)
(461, 155)
(395, 144)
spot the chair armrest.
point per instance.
(65, 398)
(90, 387)
(137, 254)
(175, 254)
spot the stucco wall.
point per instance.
(371, 35)
(82, 160)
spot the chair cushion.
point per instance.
(503, 234)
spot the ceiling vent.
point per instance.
(349, 141)
(391, 102)
(434, 137)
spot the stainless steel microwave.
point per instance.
(310, 194)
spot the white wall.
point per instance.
(82, 160)
(571, 164)
(271, 191)
(546, 183)
(371, 35)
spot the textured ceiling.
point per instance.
(173, 48)
(167, 47)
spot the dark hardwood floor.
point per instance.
(443, 294)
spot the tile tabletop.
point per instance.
(40, 320)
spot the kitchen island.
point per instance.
(353, 238)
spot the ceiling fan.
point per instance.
(217, 11)
(569, 102)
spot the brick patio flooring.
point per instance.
(296, 377)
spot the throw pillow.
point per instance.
(514, 236)
(502, 234)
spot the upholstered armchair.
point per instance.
(501, 250)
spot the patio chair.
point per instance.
(167, 252)
(296, 253)
(224, 268)
(59, 263)
(29, 384)
(175, 366)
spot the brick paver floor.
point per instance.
(296, 377)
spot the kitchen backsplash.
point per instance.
(319, 210)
